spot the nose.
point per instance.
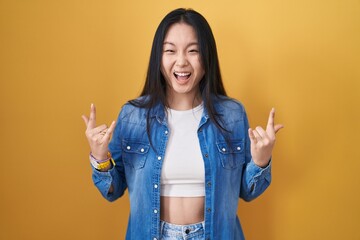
(181, 60)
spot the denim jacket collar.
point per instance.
(158, 111)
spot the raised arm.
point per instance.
(263, 141)
(98, 138)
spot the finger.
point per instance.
(86, 120)
(98, 129)
(257, 136)
(92, 118)
(261, 132)
(252, 137)
(278, 127)
(110, 131)
(270, 124)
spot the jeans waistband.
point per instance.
(181, 228)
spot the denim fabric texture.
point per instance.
(230, 172)
(170, 231)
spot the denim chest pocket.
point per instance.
(135, 153)
(233, 155)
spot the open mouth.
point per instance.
(182, 75)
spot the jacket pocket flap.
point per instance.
(236, 146)
(132, 146)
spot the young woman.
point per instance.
(183, 149)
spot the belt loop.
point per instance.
(161, 227)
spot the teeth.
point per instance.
(182, 74)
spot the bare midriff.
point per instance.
(182, 210)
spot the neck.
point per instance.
(184, 101)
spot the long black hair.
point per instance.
(211, 85)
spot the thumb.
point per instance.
(86, 120)
(277, 127)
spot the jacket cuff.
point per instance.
(259, 172)
(102, 180)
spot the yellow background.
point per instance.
(56, 57)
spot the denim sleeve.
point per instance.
(254, 179)
(116, 175)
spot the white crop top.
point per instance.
(183, 173)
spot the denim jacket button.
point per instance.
(128, 147)
(155, 211)
(159, 158)
(155, 186)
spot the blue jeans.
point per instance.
(169, 231)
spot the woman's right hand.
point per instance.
(98, 136)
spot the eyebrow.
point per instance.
(190, 44)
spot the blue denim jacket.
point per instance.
(230, 172)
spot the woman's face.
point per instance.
(181, 64)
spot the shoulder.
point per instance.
(229, 109)
(133, 112)
(228, 104)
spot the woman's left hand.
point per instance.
(263, 141)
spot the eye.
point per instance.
(169, 51)
(193, 50)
